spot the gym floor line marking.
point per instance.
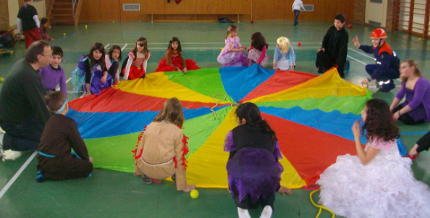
(361, 53)
(107, 46)
(124, 47)
(17, 174)
(361, 62)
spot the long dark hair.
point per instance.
(250, 112)
(145, 48)
(112, 50)
(379, 121)
(175, 39)
(97, 46)
(172, 112)
(258, 41)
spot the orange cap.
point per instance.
(378, 34)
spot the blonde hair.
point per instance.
(283, 43)
(171, 112)
(411, 63)
(231, 28)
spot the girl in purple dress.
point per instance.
(416, 108)
(91, 74)
(253, 169)
(233, 53)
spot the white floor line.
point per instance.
(17, 174)
(361, 53)
(125, 46)
(357, 60)
(67, 81)
(107, 46)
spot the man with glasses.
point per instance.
(23, 111)
(387, 63)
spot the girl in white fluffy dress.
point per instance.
(377, 182)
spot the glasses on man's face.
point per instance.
(141, 44)
(50, 55)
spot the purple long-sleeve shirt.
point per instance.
(51, 77)
(417, 99)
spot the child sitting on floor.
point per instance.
(134, 67)
(253, 169)
(257, 52)
(53, 75)
(55, 159)
(378, 180)
(112, 62)
(91, 74)
(162, 147)
(173, 60)
(233, 53)
(43, 30)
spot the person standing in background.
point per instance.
(296, 9)
(28, 22)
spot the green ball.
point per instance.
(2, 79)
(194, 193)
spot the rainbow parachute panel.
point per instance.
(311, 115)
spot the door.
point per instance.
(376, 12)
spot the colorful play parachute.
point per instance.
(311, 115)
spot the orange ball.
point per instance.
(299, 44)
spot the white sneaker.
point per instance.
(267, 212)
(11, 155)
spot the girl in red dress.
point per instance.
(173, 60)
(137, 60)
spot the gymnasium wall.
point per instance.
(4, 14)
(210, 10)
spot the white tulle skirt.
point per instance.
(383, 188)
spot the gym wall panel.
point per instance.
(199, 6)
(173, 8)
(276, 10)
(96, 10)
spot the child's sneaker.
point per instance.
(1, 152)
(39, 177)
(11, 155)
(146, 179)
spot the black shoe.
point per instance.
(146, 179)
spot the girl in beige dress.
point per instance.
(162, 147)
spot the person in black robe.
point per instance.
(334, 48)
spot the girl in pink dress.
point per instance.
(233, 53)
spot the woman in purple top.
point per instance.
(416, 108)
(53, 74)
